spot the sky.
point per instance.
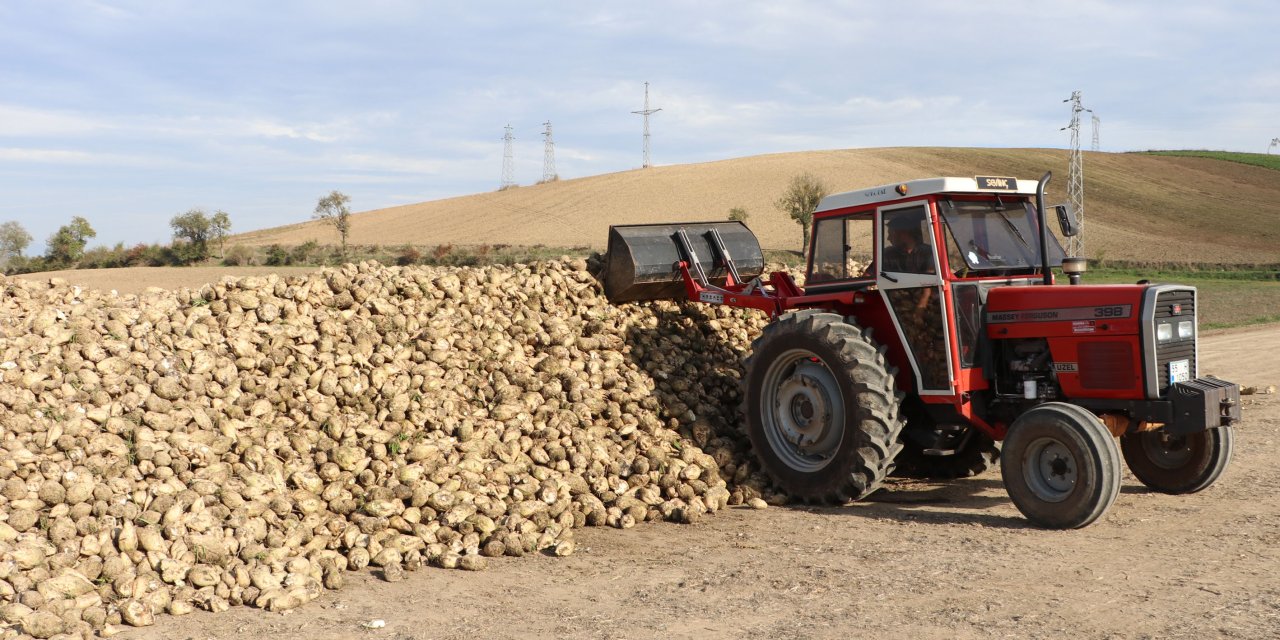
(130, 112)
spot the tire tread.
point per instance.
(876, 399)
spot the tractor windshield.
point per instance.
(992, 235)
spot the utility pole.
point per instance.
(549, 155)
(1075, 173)
(646, 112)
(508, 161)
(1275, 142)
(1097, 125)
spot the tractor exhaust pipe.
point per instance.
(1044, 228)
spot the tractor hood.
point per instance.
(1045, 311)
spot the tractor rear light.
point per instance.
(1164, 332)
(1186, 330)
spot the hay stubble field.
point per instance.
(1139, 207)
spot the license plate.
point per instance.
(1179, 371)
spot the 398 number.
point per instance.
(1108, 312)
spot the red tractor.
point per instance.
(950, 280)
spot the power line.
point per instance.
(508, 160)
(1275, 142)
(1097, 125)
(549, 155)
(1075, 172)
(645, 112)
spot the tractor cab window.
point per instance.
(995, 235)
(906, 247)
(955, 257)
(841, 250)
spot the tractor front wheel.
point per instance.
(1177, 464)
(1061, 466)
(821, 409)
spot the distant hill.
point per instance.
(1138, 206)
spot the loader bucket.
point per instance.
(641, 263)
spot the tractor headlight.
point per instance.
(1164, 332)
(1186, 329)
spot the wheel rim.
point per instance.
(802, 410)
(1050, 469)
(1166, 451)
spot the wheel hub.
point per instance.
(1166, 451)
(1050, 469)
(804, 405)
(803, 411)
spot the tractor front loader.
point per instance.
(929, 328)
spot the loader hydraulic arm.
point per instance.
(768, 295)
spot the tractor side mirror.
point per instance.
(1067, 220)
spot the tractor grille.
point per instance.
(1107, 365)
(1177, 349)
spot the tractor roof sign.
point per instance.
(1002, 184)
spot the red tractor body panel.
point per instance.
(1093, 331)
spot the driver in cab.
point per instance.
(909, 253)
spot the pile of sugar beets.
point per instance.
(250, 441)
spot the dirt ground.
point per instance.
(920, 560)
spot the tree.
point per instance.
(738, 214)
(219, 227)
(799, 200)
(333, 209)
(66, 245)
(13, 241)
(191, 235)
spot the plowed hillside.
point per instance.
(1139, 207)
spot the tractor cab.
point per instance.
(930, 251)
(928, 227)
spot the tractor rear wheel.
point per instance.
(821, 410)
(1177, 464)
(1061, 466)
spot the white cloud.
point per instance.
(75, 157)
(59, 156)
(19, 121)
(276, 130)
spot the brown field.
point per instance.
(952, 561)
(1139, 207)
